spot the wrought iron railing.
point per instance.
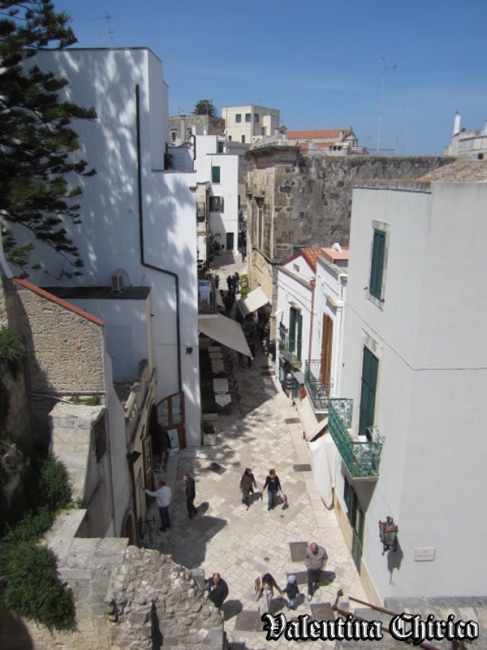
(288, 348)
(361, 457)
(319, 392)
(206, 297)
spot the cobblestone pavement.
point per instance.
(261, 433)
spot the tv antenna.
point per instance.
(108, 18)
(386, 65)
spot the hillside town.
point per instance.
(266, 387)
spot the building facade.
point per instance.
(409, 421)
(138, 217)
(467, 144)
(249, 123)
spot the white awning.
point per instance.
(252, 301)
(311, 425)
(225, 331)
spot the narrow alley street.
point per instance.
(262, 432)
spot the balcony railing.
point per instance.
(206, 297)
(361, 457)
(319, 392)
(288, 348)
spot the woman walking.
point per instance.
(265, 586)
(247, 484)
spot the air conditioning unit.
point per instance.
(117, 282)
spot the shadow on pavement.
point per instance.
(231, 608)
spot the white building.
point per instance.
(247, 124)
(219, 173)
(410, 428)
(467, 144)
(138, 219)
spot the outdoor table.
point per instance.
(220, 385)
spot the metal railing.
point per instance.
(361, 457)
(319, 392)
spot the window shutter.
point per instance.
(377, 266)
(215, 174)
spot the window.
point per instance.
(295, 331)
(173, 136)
(215, 174)
(264, 132)
(370, 368)
(326, 350)
(377, 264)
(248, 117)
(243, 139)
(238, 118)
(216, 204)
(256, 117)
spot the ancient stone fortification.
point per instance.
(296, 201)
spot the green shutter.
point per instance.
(377, 266)
(215, 174)
(370, 371)
(292, 330)
(300, 333)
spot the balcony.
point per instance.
(207, 297)
(318, 392)
(361, 457)
(288, 348)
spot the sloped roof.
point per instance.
(333, 255)
(461, 171)
(58, 301)
(310, 255)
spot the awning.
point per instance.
(252, 301)
(225, 331)
(311, 425)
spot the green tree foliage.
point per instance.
(36, 139)
(205, 107)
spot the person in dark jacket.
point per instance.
(273, 486)
(247, 484)
(292, 591)
(190, 495)
(217, 590)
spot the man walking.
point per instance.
(190, 495)
(315, 560)
(163, 498)
(217, 590)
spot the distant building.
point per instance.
(331, 141)
(467, 144)
(182, 127)
(246, 124)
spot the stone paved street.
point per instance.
(242, 544)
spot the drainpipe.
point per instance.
(141, 235)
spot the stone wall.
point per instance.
(307, 200)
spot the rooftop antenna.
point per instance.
(386, 65)
(108, 18)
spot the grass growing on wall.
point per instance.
(30, 584)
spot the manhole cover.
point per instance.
(292, 420)
(248, 622)
(215, 467)
(322, 612)
(302, 468)
(301, 577)
(298, 551)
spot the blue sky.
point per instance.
(320, 62)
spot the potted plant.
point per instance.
(209, 434)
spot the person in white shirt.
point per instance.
(163, 498)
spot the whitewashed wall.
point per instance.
(109, 237)
(431, 407)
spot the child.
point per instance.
(292, 590)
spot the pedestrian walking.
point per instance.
(190, 495)
(217, 281)
(243, 253)
(163, 499)
(273, 485)
(252, 352)
(217, 590)
(315, 560)
(292, 591)
(247, 484)
(264, 586)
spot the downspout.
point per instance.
(141, 235)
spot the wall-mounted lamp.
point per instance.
(189, 350)
(388, 534)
